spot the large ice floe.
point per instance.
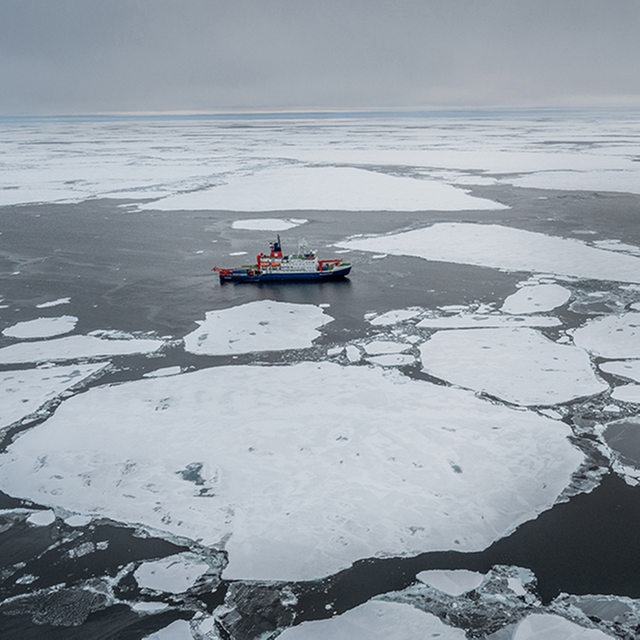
(338, 463)
(376, 620)
(372, 162)
(327, 188)
(23, 391)
(264, 325)
(267, 224)
(99, 344)
(536, 298)
(174, 574)
(545, 626)
(491, 245)
(614, 336)
(41, 327)
(517, 365)
(628, 369)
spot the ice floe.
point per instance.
(41, 327)
(267, 224)
(23, 391)
(392, 360)
(613, 336)
(395, 316)
(376, 620)
(629, 369)
(517, 365)
(207, 164)
(453, 582)
(177, 630)
(42, 518)
(536, 299)
(379, 347)
(627, 393)
(490, 245)
(288, 188)
(381, 464)
(53, 303)
(546, 626)
(264, 325)
(73, 347)
(486, 320)
(164, 371)
(174, 574)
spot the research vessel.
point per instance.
(304, 265)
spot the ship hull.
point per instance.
(249, 275)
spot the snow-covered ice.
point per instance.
(445, 472)
(73, 347)
(627, 393)
(41, 327)
(454, 582)
(206, 164)
(53, 303)
(517, 365)
(77, 521)
(486, 320)
(536, 299)
(164, 371)
(613, 336)
(42, 518)
(490, 245)
(267, 224)
(23, 391)
(379, 347)
(299, 188)
(395, 316)
(173, 574)
(546, 626)
(376, 620)
(177, 630)
(629, 369)
(264, 325)
(392, 360)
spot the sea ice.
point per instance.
(379, 347)
(517, 365)
(265, 457)
(487, 320)
(490, 245)
(164, 371)
(53, 303)
(73, 347)
(23, 391)
(41, 327)
(395, 316)
(376, 620)
(42, 518)
(288, 188)
(177, 630)
(392, 360)
(611, 336)
(264, 325)
(454, 582)
(627, 393)
(77, 521)
(536, 299)
(545, 626)
(174, 574)
(268, 224)
(629, 369)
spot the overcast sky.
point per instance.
(88, 56)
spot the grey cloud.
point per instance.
(96, 55)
